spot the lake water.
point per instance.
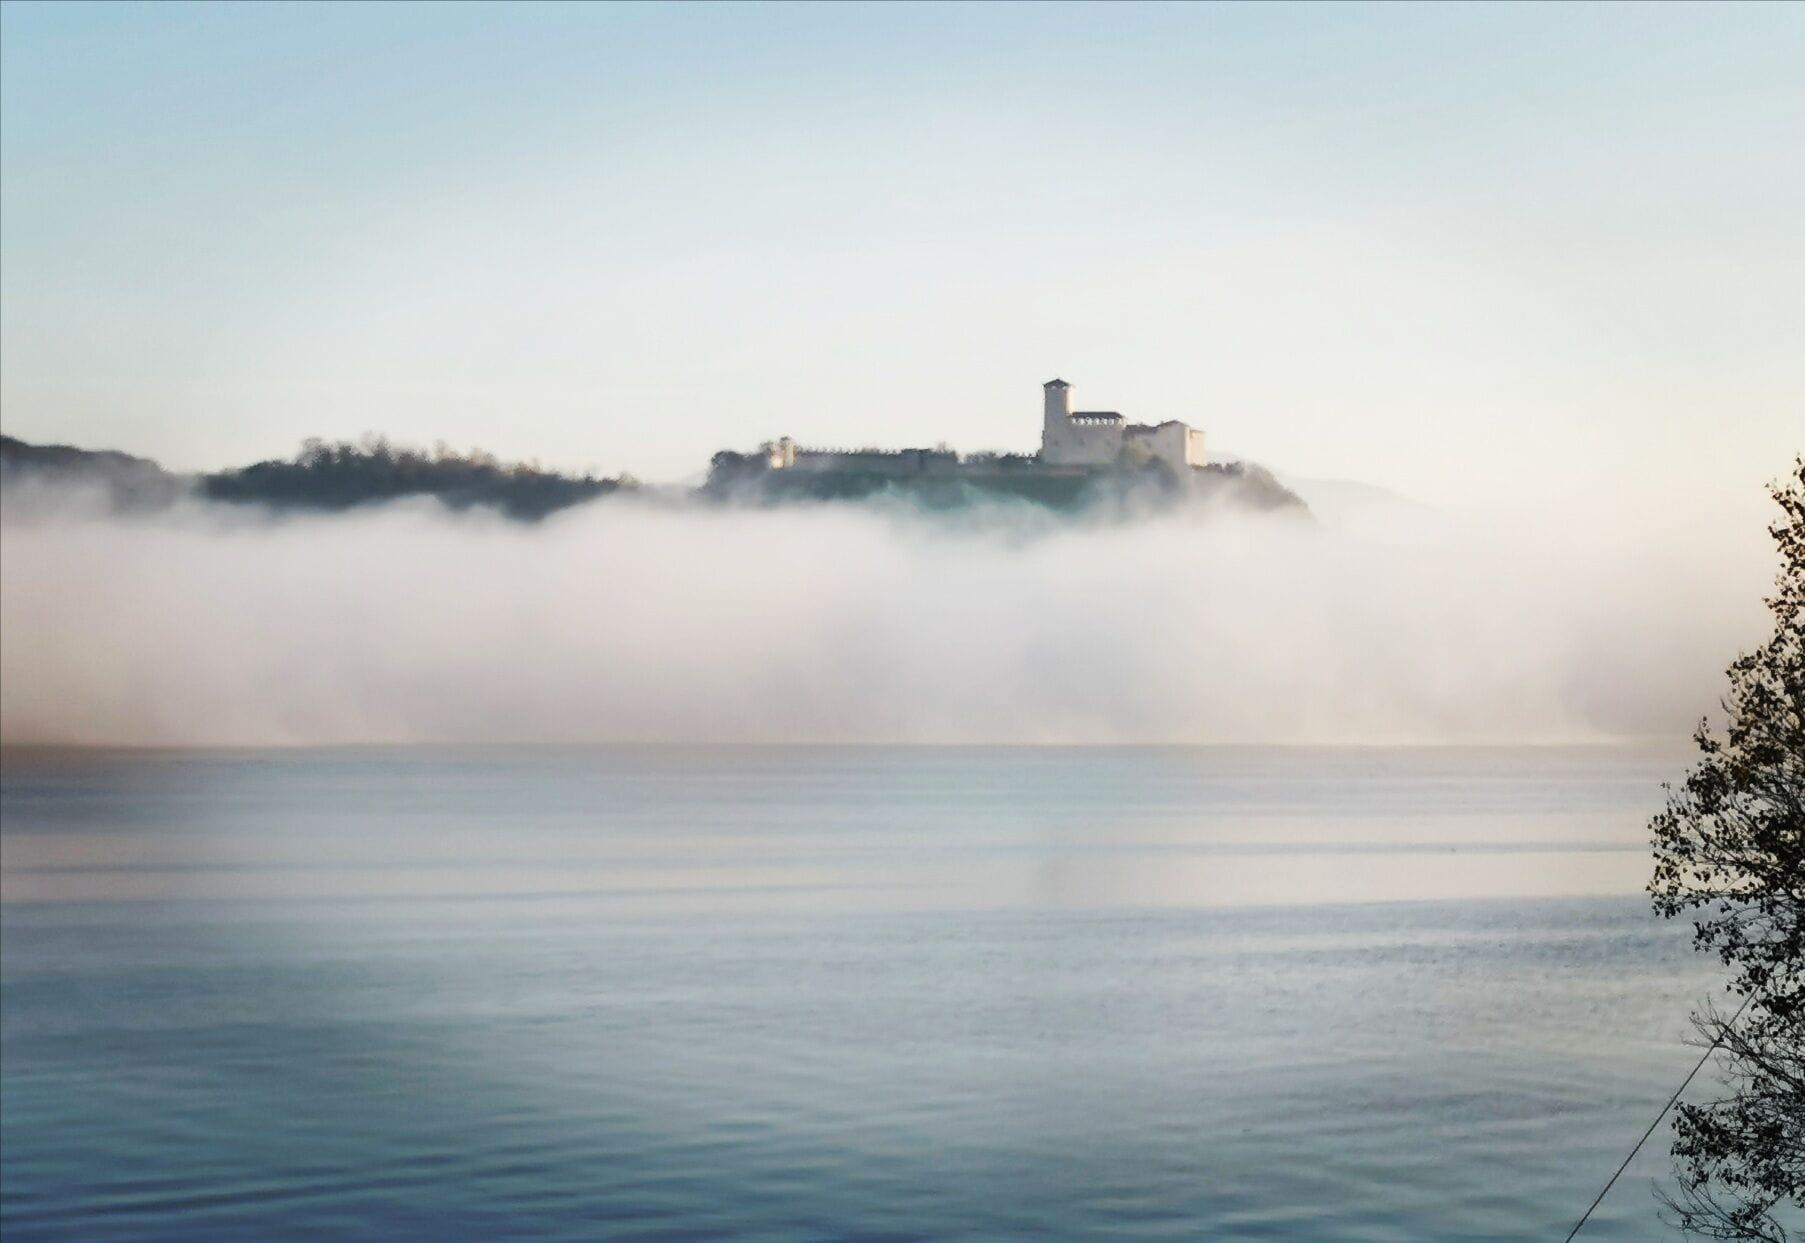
(834, 993)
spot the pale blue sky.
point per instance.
(1479, 254)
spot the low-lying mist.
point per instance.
(650, 621)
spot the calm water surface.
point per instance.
(650, 993)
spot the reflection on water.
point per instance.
(832, 993)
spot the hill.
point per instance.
(333, 477)
(322, 476)
(341, 476)
(938, 481)
(126, 482)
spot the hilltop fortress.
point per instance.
(1090, 462)
(1071, 443)
(1086, 457)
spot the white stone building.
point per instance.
(1071, 442)
(1105, 438)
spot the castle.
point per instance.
(1104, 438)
(1071, 442)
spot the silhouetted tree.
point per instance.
(1730, 848)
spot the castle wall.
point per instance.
(1173, 443)
(1068, 442)
(887, 462)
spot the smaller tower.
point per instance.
(1058, 401)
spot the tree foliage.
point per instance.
(1730, 850)
(338, 476)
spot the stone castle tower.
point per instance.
(1105, 438)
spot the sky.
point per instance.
(1486, 256)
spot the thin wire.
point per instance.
(1722, 1032)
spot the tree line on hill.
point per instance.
(323, 475)
(340, 475)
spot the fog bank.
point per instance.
(636, 621)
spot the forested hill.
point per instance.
(340, 476)
(127, 482)
(1127, 491)
(337, 476)
(322, 476)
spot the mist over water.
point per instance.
(657, 621)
